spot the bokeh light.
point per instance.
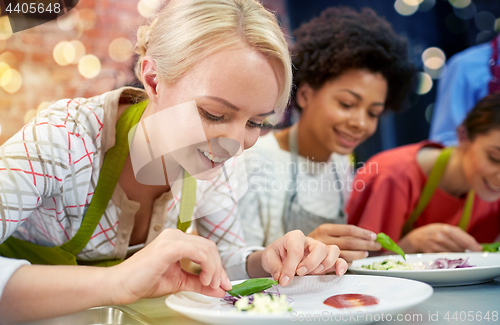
(433, 59)
(3, 68)
(5, 29)
(484, 36)
(89, 66)
(2, 44)
(9, 58)
(424, 83)
(59, 53)
(484, 20)
(147, 8)
(459, 3)
(466, 12)
(68, 21)
(11, 81)
(29, 115)
(120, 49)
(43, 105)
(406, 7)
(426, 5)
(79, 50)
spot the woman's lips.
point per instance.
(493, 188)
(210, 160)
(346, 139)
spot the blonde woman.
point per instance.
(72, 193)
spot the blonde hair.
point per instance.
(186, 31)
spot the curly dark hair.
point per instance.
(341, 39)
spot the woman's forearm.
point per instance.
(39, 291)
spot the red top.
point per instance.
(393, 181)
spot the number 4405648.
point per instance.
(472, 316)
(34, 7)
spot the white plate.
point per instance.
(308, 294)
(487, 267)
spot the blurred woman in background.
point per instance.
(350, 67)
(432, 198)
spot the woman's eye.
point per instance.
(374, 115)
(209, 116)
(254, 125)
(494, 160)
(345, 105)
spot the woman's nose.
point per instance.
(357, 119)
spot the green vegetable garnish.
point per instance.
(251, 286)
(389, 244)
(493, 247)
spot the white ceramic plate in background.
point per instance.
(308, 294)
(486, 268)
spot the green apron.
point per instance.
(114, 161)
(429, 189)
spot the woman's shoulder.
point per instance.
(399, 164)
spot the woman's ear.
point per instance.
(304, 94)
(463, 137)
(150, 77)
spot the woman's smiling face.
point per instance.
(344, 112)
(482, 164)
(234, 91)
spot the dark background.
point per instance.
(439, 27)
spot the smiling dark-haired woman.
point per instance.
(350, 67)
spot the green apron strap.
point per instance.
(114, 160)
(465, 219)
(188, 202)
(429, 189)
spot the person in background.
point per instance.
(469, 76)
(431, 198)
(350, 67)
(68, 188)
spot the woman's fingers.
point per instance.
(347, 237)
(294, 244)
(329, 260)
(203, 252)
(464, 240)
(336, 230)
(350, 256)
(193, 283)
(321, 257)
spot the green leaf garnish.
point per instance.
(389, 244)
(493, 247)
(251, 286)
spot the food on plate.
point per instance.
(440, 263)
(445, 263)
(351, 300)
(493, 247)
(251, 286)
(388, 264)
(389, 244)
(263, 303)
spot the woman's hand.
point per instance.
(438, 237)
(294, 253)
(155, 270)
(354, 242)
